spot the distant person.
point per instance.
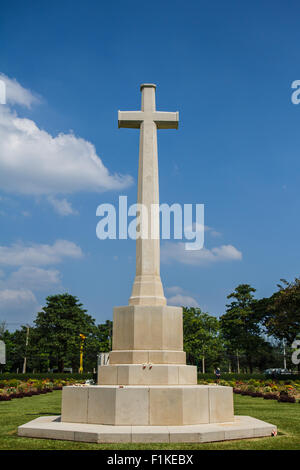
(218, 374)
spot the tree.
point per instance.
(240, 324)
(282, 311)
(15, 348)
(99, 341)
(201, 340)
(58, 326)
(2, 329)
(104, 336)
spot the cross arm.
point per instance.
(130, 119)
(166, 120)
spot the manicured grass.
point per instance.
(19, 411)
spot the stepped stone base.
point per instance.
(51, 427)
(147, 374)
(147, 405)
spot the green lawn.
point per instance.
(19, 411)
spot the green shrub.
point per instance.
(224, 383)
(43, 376)
(233, 376)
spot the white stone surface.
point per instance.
(241, 427)
(101, 405)
(147, 328)
(147, 374)
(76, 405)
(147, 357)
(220, 404)
(147, 288)
(145, 405)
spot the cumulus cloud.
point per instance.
(183, 301)
(25, 213)
(35, 254)
(176, 252)
(179, 297)
(190, 230)
(62, 206)
(173, 290)
(16, 94)
(17, 290)
(32, 278)
(22, 295)
(213, 232)
(18, 304)
(34, 162)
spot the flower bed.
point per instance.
(14, 388)
(283, 391)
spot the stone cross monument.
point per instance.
(147, 393)
(147, 381)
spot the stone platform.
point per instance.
(51, 427)
(147, 405)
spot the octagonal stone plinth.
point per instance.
(147, 405)
(137, 327)
(147, 374)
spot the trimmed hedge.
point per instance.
(232, 376)
(45, 375)
(256, 376)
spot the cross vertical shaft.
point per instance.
(147, 288)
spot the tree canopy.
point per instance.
(282, 312)
(241, 324)
(201, 338)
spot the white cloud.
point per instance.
(17, 291)
(16, 94)
(34, 162)
(62, 206)
(180, 297)
(174, 290)
(213, 232)
(32, 278)
(190, 231)
(13, 295)
(19, 254)
(176, 252)
(183, 301)
(18, 304)
(25, 213)
(196, 227)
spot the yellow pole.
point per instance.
(82, 337)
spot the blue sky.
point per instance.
(69, 66)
